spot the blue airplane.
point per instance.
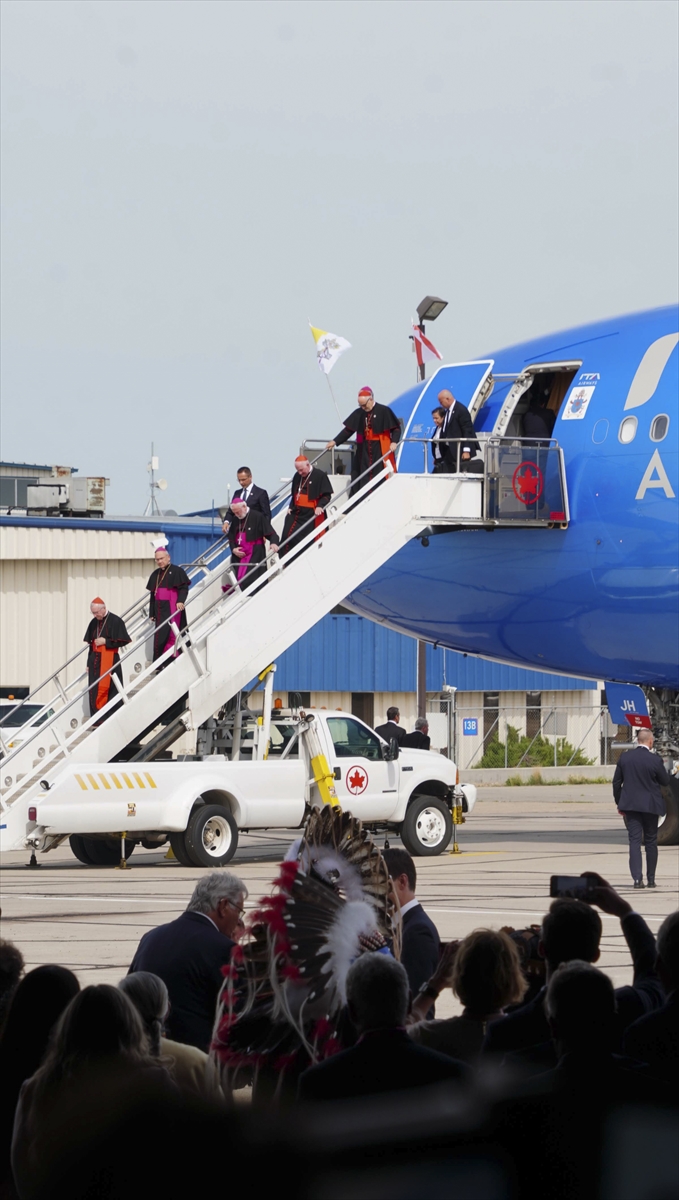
(596, 595)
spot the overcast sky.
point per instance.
(187, 182)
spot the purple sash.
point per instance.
(170, 594)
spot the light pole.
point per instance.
(427, 310)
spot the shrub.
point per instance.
(541, 753)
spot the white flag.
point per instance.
(328, 348)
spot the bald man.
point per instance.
(457, 424)
(105, 635)
(639, 776)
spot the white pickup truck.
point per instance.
(200, 806)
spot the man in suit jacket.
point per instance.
(572, 930)
(419, 739)
(255, 497)
(392, 729)
(189, 953)
(385, 1058)
(638, 778)
(458, 424)
(420, 943)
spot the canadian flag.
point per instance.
(424, 349)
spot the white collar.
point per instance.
(202, 914)
(407, 907)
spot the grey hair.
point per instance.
(216, 886)
(377, 992)
(421, 722)
(149, 995)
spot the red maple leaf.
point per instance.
(528, 483)
(356, 780)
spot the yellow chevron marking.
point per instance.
(93, 781)
(151, 781)
(127, 779)
(116, 780)
(105, 782)
(82, 783)
(139, 779)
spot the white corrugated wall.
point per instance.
(49, 578)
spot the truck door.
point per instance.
(366, 786)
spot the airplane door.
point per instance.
(470, 383)
(366, 786)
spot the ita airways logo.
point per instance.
(528, 482)
(357, 780)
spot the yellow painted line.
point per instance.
(93, 781)
(139, 779)
(116, 780)
(151, 781)
(478, 853)
(82, 783)
(105, 782)
(127, 779)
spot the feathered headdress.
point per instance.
(284, 990)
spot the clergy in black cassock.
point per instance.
(169, 587)
(311, 492)
(105, 635)
(377, 432)
(248, 531)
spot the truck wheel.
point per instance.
(212, 836)
(79, 848)
(428, 826)
(178, 844)
(668, 832)
(106, 853)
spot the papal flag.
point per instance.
(328, 348)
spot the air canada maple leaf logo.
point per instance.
(527, 482)
(357, 780)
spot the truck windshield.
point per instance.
(353, 740)
(25, 712)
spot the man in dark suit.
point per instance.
(458, 424)
(572, 930)
(420, 943)
(638, 778)
(391, 729)
(189, 953)
(419, 739)
(255, 497)
(385, 1058)
(654, 1039)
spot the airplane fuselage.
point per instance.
(597, 599)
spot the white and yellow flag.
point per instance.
(328, 348)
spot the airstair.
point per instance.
(233, 636)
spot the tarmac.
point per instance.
(90, 919)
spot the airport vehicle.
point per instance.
(561, 555)
(308, 758)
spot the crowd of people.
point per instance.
(73, 1061)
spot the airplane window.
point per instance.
(600, 431)
(628, 430)
(659, 427)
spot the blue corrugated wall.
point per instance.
(351, 654)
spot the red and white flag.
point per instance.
(424, 349)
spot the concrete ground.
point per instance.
(91, 919)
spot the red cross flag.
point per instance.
(424, 349)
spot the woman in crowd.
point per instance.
(36, 1006)
(191, 1069)
(96, 1064)
(484, 972)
